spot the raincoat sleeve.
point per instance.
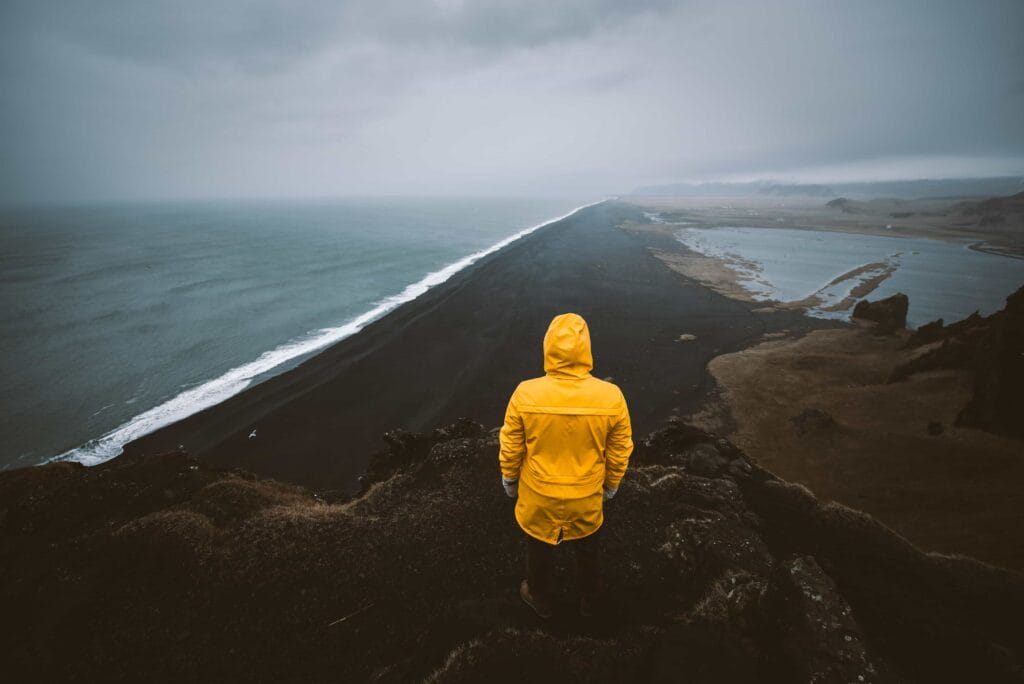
(618, 449)
(512, 440)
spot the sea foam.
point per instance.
(232, 382)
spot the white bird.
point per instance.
(252, 434)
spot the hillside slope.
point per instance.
(164, 568)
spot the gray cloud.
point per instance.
(267, 34)
(165, 99)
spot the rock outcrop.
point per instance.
(889, 314)
(716, 570)
(993, 348)
(843, 204)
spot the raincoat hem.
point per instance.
(554, 542)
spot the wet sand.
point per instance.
(460, 349)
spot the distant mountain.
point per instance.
(1014, 203)
(750, 189)
(992, 210)
(951, 188)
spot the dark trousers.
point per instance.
(540, 562)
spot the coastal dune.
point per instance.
(461, 348)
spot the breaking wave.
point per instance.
(232, 382)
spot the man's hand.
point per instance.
(511, 487)
(609, 493)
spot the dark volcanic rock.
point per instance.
(405, 448)
(703, 460)
(991, 347)
(517, 655)
(890, 313)
(936, 330)
(819, 632)
(998, 401)
(166, 569)
(926, 334)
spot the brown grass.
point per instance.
(957, 492)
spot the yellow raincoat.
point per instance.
(566, 436)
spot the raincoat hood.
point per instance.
(567, 347)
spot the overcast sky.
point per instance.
(201, 98)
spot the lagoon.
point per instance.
(943, 279)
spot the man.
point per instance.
(565, 446)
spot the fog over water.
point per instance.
(162, 99)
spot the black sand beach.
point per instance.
(460, 349)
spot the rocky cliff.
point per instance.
(716, 570)
(992, 348)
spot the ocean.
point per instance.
(943, 279)
(119, 319)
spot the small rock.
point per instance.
(812, 420)
(703, 460)
(687, 337)
(890, 314)
(739, 468)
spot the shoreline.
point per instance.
(214, 391)
(983, 247)
(459, 349)
(738, 274)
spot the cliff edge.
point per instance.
(163, 567)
